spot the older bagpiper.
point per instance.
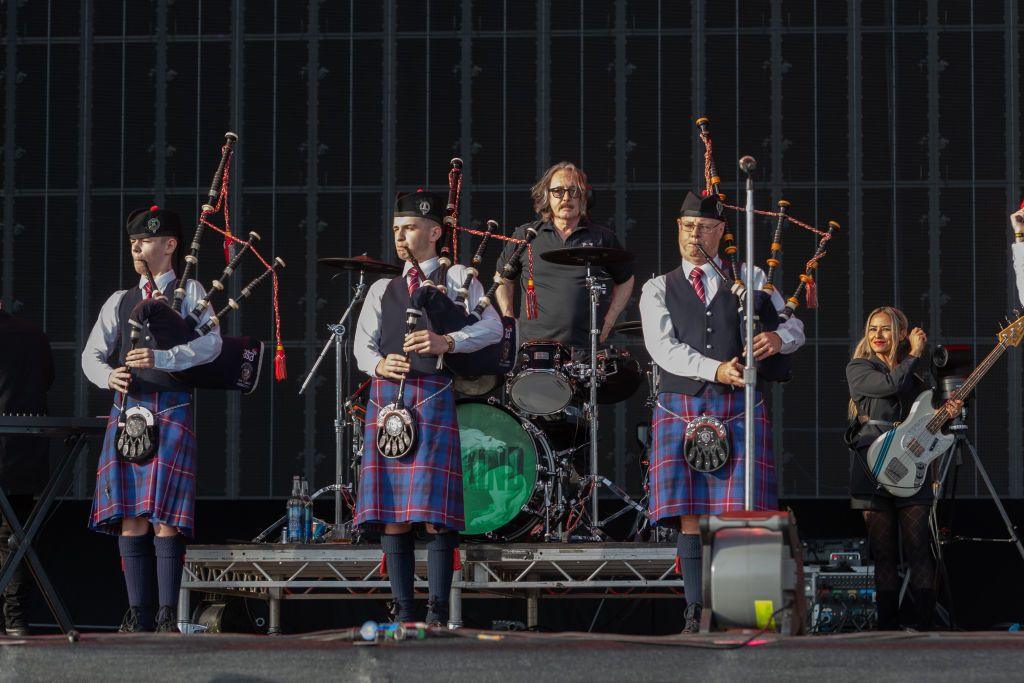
(425, 485)
(693, 331)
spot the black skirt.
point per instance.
(866, 494)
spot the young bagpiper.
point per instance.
(146, 473)
(425, 484)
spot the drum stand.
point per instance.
(341, 419)
(591, 409)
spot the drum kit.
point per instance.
(529, 468)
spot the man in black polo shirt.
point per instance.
(563, 307)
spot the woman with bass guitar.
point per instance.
(885, 376)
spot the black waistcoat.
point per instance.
(392, 328)
(149, 380)
(712, 331)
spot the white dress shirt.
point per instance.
(682, 359)
(366, 340)
(107, 329)
(1017, 249)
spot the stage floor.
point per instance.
(331, 655)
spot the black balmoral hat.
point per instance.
(154, 222)
(702, 207)
(420, 204)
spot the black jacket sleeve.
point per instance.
(865, 379)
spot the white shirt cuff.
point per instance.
(707, 369)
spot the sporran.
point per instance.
(137, 435)
(706, 444)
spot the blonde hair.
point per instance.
(539, 192)
(898, 350)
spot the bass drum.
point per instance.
(507, 468)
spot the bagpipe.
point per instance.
(778, 367)
(238, 365)
(447, 315)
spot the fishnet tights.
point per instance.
(916, 539)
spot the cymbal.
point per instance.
(582, 256)
(630, 328)
(362, 262)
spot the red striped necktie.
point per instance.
(414, 280)
(148, 289)
(698, 284)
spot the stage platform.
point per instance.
(333, 571)
(470, 655)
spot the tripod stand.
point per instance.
(949, 463)
(342, 423)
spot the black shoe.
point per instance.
(402, 613)
(887, 604)
(18, 628)
(132, 622)
(692, 617)
(437, 613)
(167, 620)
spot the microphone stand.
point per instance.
(341, 420)
(747, 165)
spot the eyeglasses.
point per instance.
(559, 192)
(698, 229)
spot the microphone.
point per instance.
(748, 164)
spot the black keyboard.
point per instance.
(51, 425)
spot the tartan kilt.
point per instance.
(426, 485)
(163, 489)
(676, 489)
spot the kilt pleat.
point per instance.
(677, 489)
(426, 485)
(163, 489)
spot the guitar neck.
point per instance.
(968, 386)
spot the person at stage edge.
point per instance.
(158, 493)
(424, 486)
(563, 303)
(1017, 249)
(693, 332)
(885, 376)
(26, 374)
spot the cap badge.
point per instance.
(424, 207)
(152, 225)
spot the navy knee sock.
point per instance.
(441, 566)
(691, 565)
(401, 560)
(170, 557)
(137, 565)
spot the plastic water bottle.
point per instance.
(296, 514)
(307, 512)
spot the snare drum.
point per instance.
(542, 384)
(507, 465)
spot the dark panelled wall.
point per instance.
(898, 118)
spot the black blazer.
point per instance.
(26, 374)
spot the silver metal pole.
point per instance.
(594, 332)
(339, 428)
(747, 164)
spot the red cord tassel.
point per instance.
(383, 564)
(456, 560)
(531, 300)
(280, 369)
(812, 294)
(227, 246)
